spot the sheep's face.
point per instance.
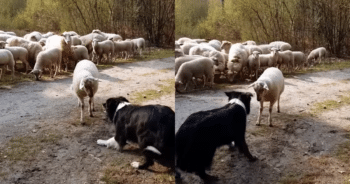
(260, 89)
(2, 44)
(67, 38)
(36, 73)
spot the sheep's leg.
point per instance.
(204, 81)
(1, 69)
(50, 69)
(82, 110)
(93, 104)
(278, 104)
(270, 111)
(261, 110)
(90, 110)
(194, 82)
(56, 68)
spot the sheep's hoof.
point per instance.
(258, 124)
(278, 111)
(91, 115)
(270, 125)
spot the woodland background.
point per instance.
(152, 19)
(306, 24)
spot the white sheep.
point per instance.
(106, 36)
(19, 53)
(179, 61)
(182, 40)
(125, 47)
(139, 44)
(319, 53)
(76, 40)
(299, 59)
(286, 58)
(254, 63)
(33, 48)
(265, 48)
(214, 43)
(199, 49)
(218, 58)
(34, 36)
(269, 60)
(64, 43)
(269, 87)
(186, 47)
(249, 42)
(71, 33)
(225, 47)
(177, 45)
(281, 45)
(4, 37)
(48, 34)
(79, 53)
(101, 48)
(11, 33)
(252, 48)
(198, 68)
(237, 60)
(85, 83)
(6, 60)
(49, 58)
(42, 41)
(178, 53)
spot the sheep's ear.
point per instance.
(82, 84)
(266, 87)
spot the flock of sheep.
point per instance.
(40, 51)
(231, 61)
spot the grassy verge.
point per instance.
(165, 88)
(326, 66)
(27, 147)
(146, 56)
(326, 105)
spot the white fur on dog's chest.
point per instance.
(238, 102)
(121, 105)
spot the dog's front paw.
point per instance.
(110, 143)
(135, 164)
(102, 142)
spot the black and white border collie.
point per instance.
(152, 127)
(204, 131)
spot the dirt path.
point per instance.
(42, 119)
(299, 148)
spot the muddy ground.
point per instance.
(42, 140)
(304, 146)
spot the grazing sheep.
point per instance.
(186, 47)
(199, 49)
(198, 68)
(281, 45)
(179, 61)
(237, 60)
(225, 47)
(178, 53)
(100, 48)
(33, 48)
(6, 60)
(286, 58)
(269, 60)
(249, 42)
(85, 83)
(265, 48)
(79, 53)
(254, 63)
(48, 58)
(299, 59)
(269, 87)
(317, 53)
(20, 53)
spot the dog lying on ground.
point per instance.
(152, 127)
(204, 131)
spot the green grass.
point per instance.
(19, 77)
(27, 147)
(303, 178)
(326, 66)
(146, 56)
(167, 87)
(343, 152)
(327, 105)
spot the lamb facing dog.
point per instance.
(6, 60)
(79, 53)
(319, 53)
(49, 58)
(85, 83)
(198, 68)
(269, 60)
(254, 63)
(101, 48)
(269, 87)
(281, 45)
(179, 61)
(33, 48)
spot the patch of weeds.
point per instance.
(343, 152)
(260, 131)
(150, 94)
(327, 65)
(290, 178)
(26, 147)
(19, 77)
(87, 121)
(164, 178)
(293, 178)
(320, 107)
(159, 71)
